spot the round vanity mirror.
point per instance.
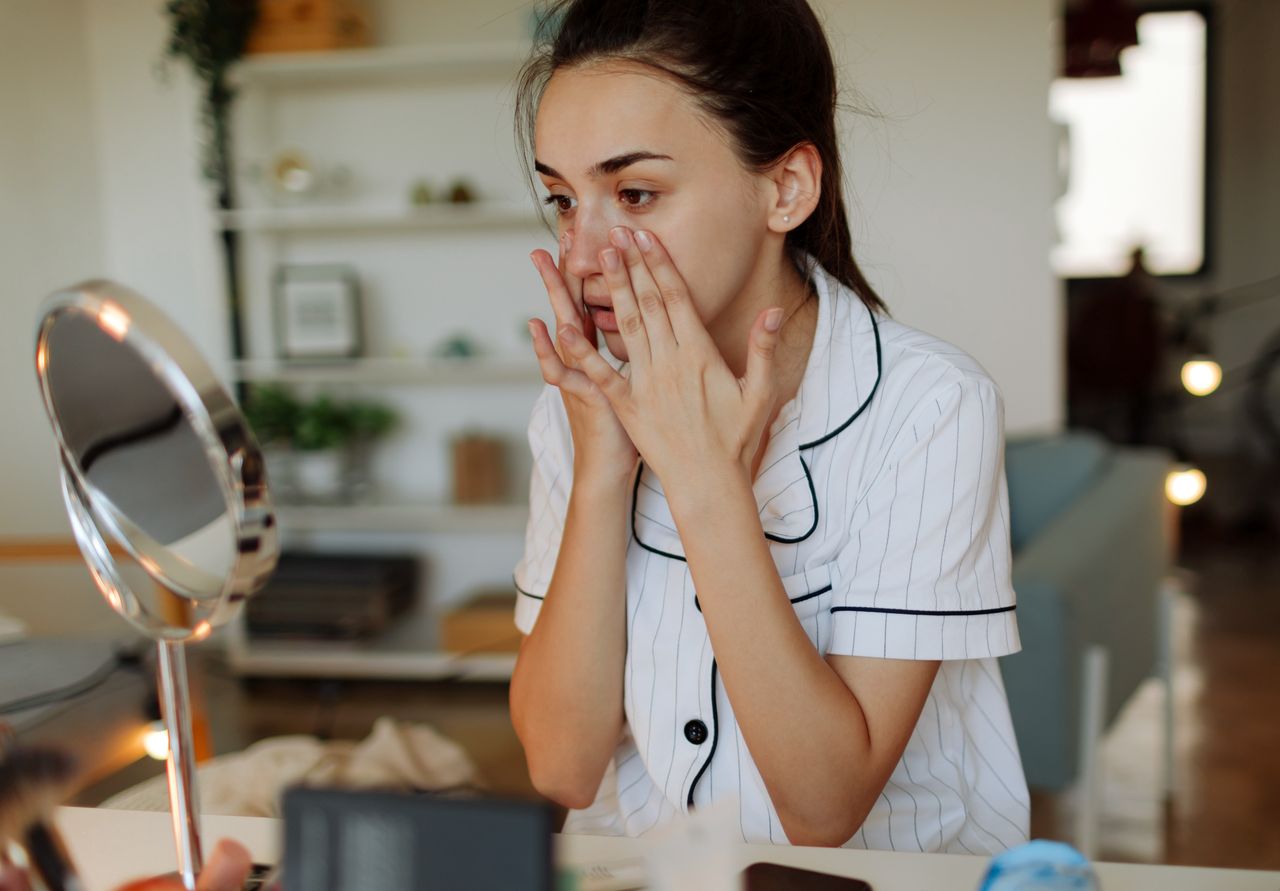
(156, 460)
(156, 457)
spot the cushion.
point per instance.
(1046, 474)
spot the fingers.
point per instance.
(614, 386)
(681, 314)
(631, 325)
(554, 370)
(648, 297)
(563, 303)
(226, 869)
(761, 349)
(571, 282)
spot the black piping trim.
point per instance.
(803, 597)
(524, 592)
(923, 612)
(715, 736)
(875, 327)
(635, 494)
(813, 496)
(813, 492)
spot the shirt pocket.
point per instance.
(810, 593)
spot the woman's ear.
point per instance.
(797, 184)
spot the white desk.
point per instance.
(112, 847)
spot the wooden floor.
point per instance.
(1226, 807)
(1226, 811)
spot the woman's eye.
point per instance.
(562, 203)
(637, 197)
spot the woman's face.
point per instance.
(618, 144)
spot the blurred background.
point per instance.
(1085, 197)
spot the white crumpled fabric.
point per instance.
(249, 783)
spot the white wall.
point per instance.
(953, 187)
(50, 231)
(157, 231)
(50, 236)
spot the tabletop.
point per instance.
(111, 847)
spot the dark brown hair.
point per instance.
(761, 69)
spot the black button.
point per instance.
(696, 732)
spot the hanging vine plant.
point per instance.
(211, 35)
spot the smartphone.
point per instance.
(776, 877)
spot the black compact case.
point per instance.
(340, 840)
(775, 877)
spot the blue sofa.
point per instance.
(1089, 528)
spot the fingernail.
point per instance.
(529, 325)
(568, 334)
(612, 261)
(566, 239)
(773, 320)
(620, 236)
(644, 239)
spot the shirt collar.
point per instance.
(841, 377)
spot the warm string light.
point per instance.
(1201, 375)
(1185, 485)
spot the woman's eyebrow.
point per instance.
(608, 166)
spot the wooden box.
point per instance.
(289, 26)
(484, 624)
(479, 469)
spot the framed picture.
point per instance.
(317, 311)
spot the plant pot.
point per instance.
(321, 475)
(279, 466)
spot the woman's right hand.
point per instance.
(600, 444)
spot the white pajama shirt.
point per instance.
(882, 493)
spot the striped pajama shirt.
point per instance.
(882, 494)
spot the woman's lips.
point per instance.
(603, 318)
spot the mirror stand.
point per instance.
(175, 707)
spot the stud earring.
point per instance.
(786, 219)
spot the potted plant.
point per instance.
(317, 449)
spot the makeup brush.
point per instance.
(33, 781)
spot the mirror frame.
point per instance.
(233, 456)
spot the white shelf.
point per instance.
(380, 371)
(403, 517)
(348, 660)
(481, 214)
(478, 60)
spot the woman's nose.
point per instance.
(587, 240)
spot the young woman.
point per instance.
(768, 556)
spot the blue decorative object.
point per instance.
(1040, 866)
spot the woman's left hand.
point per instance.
(683, 407)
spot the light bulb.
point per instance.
(1201, 376)
(156, 741)
(1185, 485)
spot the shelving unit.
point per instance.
(452, 62)
(329, 659)
(370, 109)
(390, 516)
(383, 371)
(336, 219)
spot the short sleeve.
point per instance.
(927, 570)
(550, 483)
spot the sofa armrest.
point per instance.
(1092, 576)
